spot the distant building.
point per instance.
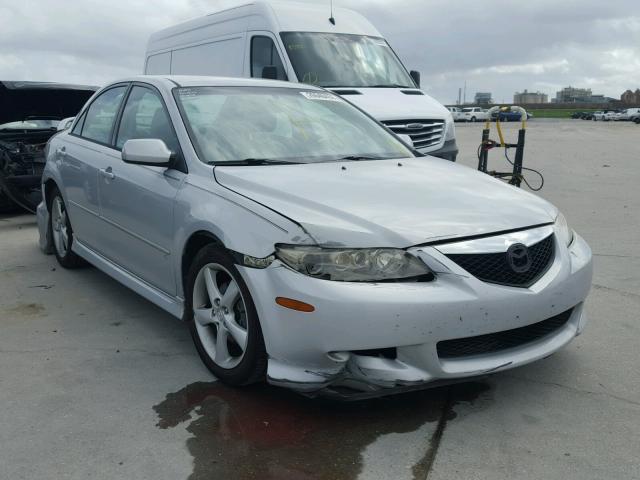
(573, 95)
(631, 98)
(483, 98)
(530, 97)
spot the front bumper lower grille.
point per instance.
(423, 133)
(495, 268)
(496, 342)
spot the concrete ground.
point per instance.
(95, 382)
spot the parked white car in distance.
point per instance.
(456, 113)
(625, 115)
(474, 114)
(604, 116)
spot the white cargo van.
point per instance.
(304, 43)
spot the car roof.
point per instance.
(170, 81)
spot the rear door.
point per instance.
(136, 201)
(84, 154)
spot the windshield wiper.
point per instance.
(250, 162)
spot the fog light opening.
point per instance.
(296, 305)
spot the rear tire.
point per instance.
(223, 320)
(61, 232)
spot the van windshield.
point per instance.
(245, 125)
(342, 60)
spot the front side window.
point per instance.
(100, 116)
(264, 54)
(342, 60)
(144, 116)
(230, 124)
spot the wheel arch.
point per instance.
(196, 242)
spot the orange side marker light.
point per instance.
(295, 305)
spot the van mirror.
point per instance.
(147, 151)
(270, 72)
(416, 77)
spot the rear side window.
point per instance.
(144, 116)
(263, 54)
(100, 116)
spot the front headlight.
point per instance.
(353, 265)
(564, 232)
(449, 129)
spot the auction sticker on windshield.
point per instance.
(320, 96)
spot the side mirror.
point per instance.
(270, 72)
(416, 77)
(147, 151)
(65, 123)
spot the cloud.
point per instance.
(496, 45)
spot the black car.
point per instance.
(30, 115)
(578, 114)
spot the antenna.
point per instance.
(331, 19)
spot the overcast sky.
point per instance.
(498, 46)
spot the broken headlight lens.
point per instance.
(353, 265)
(564, 232)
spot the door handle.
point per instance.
(61, 152)
(107, 173)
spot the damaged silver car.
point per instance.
(30, 114)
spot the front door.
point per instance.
(137, 202)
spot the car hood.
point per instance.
(394, 103)
(393, 203)
(20, 100)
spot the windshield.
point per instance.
(232, 124)
(341, 60)
(47, 124)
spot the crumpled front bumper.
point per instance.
(328, 351)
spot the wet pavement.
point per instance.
(273, 434)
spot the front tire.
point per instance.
(223, 319)
(61, 232)
(473, 119)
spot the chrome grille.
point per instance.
(424, 133)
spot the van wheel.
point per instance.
(61, 232)
(223, 320)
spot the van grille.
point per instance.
(424, 133)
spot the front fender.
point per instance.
(240, 224)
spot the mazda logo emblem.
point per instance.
(518, 258)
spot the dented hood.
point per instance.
(390, 203)
(20, 100)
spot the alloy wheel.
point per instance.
(59, 226)
(220, 316)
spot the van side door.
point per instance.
(263, 50)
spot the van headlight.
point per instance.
(449, 129)
(353, 265)
(564, 232)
